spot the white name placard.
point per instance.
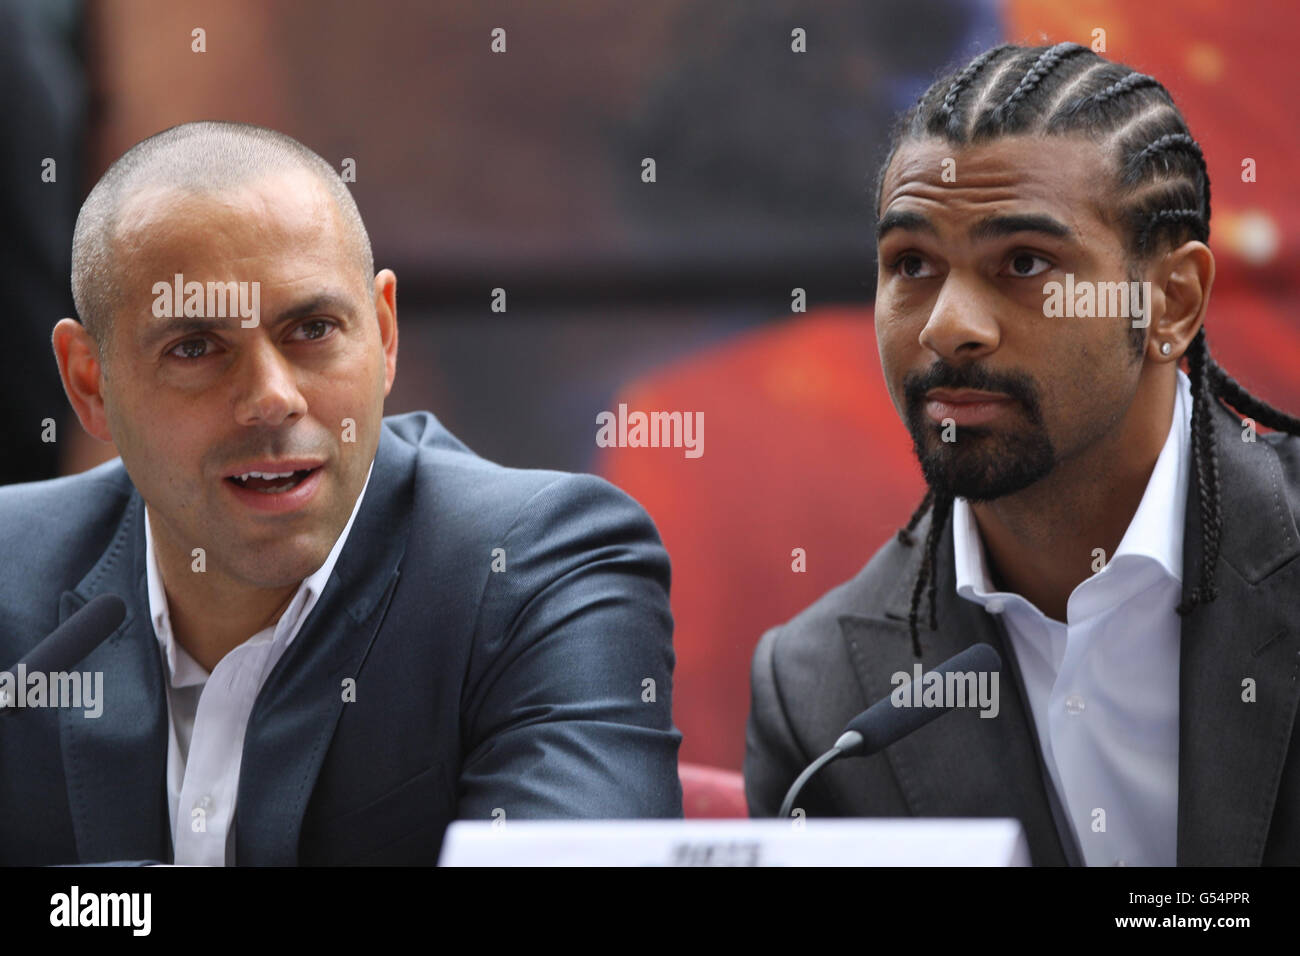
(810, 842)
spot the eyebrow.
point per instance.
(995, 227)
(991, 227)
(909, 221)
(189, 325)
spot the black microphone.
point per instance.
(72, 640)
(884, 722)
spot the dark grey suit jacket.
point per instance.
(1239, 763)
(475, 690)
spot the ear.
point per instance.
(386, 312)
(82, 374)
(1184, 277)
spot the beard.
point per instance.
(984, 462)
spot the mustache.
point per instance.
(274, 452)
(1018, 385)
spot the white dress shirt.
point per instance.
(208, 713)
(1103, 686)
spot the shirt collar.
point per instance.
(1155, 533)
(184, 670)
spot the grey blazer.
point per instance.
(478, 692)
(1239, 763)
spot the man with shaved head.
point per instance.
(342, 630)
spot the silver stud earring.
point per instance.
(1165, 348)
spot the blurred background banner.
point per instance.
(524, 169)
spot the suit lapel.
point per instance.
(294, 716)
(1231, 752)
(961, 765)
(115, 764)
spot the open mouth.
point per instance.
(274, 483)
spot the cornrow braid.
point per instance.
(1159, 147)
(905, 534)
(1095, 101)
(1162, 217)
(941, 505)
(1164, 199)
(1139, 165)
(1226, 389)
(1206, 467)
(1048, 61)
(944, 114)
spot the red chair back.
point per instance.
(711, 792)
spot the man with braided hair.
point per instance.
(1104, 520)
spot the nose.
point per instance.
(961, 326)
(268, 390)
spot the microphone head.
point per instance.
(76, 637)
(885, 722)
(977, 657)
